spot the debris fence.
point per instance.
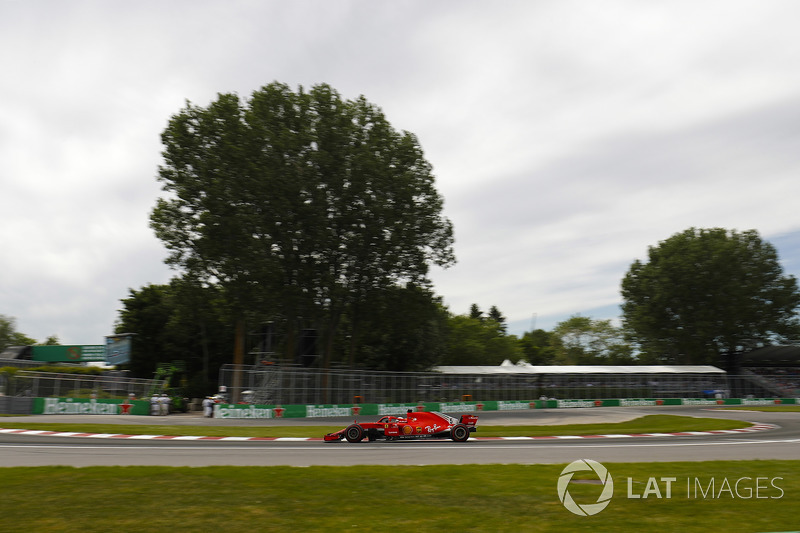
(285, 385)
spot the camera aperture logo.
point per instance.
(585, 509)
(663, 487)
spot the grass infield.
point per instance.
(644, 424)
(703, 497)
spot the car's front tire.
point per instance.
(354, 433)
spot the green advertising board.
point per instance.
(89, 406)
(86, 406)
(400, 409)
(69, 354)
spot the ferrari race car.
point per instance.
(414, 426)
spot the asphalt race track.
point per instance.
(782, 442)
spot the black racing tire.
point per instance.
(354, 433)
(459, 433)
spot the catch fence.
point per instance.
(34, 384)
(285, 385)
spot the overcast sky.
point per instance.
(566, 137)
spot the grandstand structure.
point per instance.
(776, 368)
(599, 381)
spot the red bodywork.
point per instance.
(414, 426)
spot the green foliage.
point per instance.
(181, 322)
(475, 312)
(146, 312)
(81, 370)
(10, 385)
(497, 316)
(537, 347)
(52, 340)
(708, 292)
(476, 341)
(399, 329)
(9, 336)
(298, 203)
(580, 340)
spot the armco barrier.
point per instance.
(84, 406)
(11, 405)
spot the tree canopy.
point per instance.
(301, 203)
(400, 329)
(479, 341)
(708, 292)
(537, 347)
(581, 340)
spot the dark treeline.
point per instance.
(402, 329)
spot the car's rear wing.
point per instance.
(469, 420)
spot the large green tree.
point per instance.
(705, 293)
(300, 202)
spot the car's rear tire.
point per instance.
(354, 433)
(459, 433)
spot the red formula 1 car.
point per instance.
(413, 426)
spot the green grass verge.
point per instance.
(386, 498)
(765, 408)
(644, 424)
